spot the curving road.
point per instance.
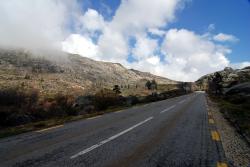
(175, 132)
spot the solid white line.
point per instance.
(109, 139)
(181, 101)
(54, 127)
(94, 117)
(167, 109)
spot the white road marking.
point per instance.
(167, 109)
(54, 127)
(94, 117)
(109, 139)
(181, 101)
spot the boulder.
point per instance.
(239, 89)
(244, 75)
(248, 67)
(228, 69)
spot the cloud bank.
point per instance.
(32, 24)
(136, 35)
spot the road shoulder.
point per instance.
(236, 149)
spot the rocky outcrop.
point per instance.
(242, 89)
(230, 78)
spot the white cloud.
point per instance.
(221, 37)
(129, 20)
(133, 16)
(81, 45)
(190, 56)
(156, 31)
(211, 27)
(113, 46)
(154, 60)
(240, 65)
(92, 21)
(33, 24)
(144, 47)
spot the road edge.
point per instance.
(235, 147)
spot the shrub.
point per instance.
(11, 97)
(21, 107)
(105, 98)
(132, 100)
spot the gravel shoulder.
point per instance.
(236, 148)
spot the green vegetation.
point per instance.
(117, 89)
(151, 85)
(236, 109)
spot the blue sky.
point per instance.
(177, 39)
(228, 16)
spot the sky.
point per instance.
(178, 39)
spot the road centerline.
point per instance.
(109, 139)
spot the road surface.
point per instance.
(175, 132)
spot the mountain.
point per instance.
(67, 73)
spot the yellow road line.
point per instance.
(49, 128)
(221, 164)
(211, 121)
(215, 135)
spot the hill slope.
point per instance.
(67, 73)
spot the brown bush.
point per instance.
(21, 107)
(105, 98)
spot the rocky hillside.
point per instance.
(230, 78)
(66, 73)
(230, 90)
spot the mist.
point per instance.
(37, 26)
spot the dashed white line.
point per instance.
(109, 139)
(167, 109)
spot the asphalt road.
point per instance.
(175, 132)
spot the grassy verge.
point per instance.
(35, 126)
(11, 131)
(237, 111)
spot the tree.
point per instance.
(148, 85)
(218, 80)
(153, 84)
(117, 89)
(216, 83)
